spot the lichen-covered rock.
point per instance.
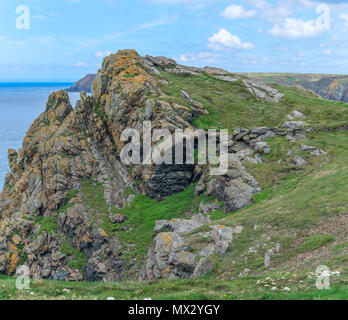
(237, 187)
(203, 267)
(182, 225)
(46, 223)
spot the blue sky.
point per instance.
(68, 38)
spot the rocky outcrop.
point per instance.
(263, 91)
(47, 225)
(171, 257)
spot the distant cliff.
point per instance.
(85, 84)
(331, 87)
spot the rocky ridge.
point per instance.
(45, 222)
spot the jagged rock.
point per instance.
(166, 246)
(211, 187)
(183, 71)
(196, 107)
(258, 158)
(222, 233)
(161, 61)
(206, 208)
(221, 248)
(184, 262)
(262, 147)
(263, 91)
(227, 78)
(200, 187)
(207, 251)
(298, 161)
(318, 152)
(66, 148)
(313, 150)
(259, 131)
(237, 187)
(182, 225)
(305, 148)
(294, 124)
(268, 255)
(296, 115)
(203, 267)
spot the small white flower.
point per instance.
(147, 299)
(286, 289)
(66, 290)
(110, 298)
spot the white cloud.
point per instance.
(344, 17)
(297, 29)
(237, 12)
(260, 4)
(102, 54)
(224, 39)
(80, 64)
(206, 57)
(327, 52)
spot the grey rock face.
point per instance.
(182, 225)
(296, 115)
(262, 147)
(203, 267)
(313, 150)
(165, 259)
(294, 124)
(206, 208)
(298, 161)
(263, 91)
(227, 78)
(237, 187)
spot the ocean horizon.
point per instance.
(20, 104)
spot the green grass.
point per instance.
(340, 247)
(255, 288)
(77, 259)
(143, 212)
(48, 224)
(231, 105)
(315, 242)
(298, 209)
(141, 216)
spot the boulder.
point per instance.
(294, 124)
(262, 147)
(263, 91)
(298, 161)
(296, 115)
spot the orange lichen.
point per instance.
(14, 261)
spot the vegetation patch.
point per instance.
(77, 259)
(315, 242)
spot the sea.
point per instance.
(20, 105)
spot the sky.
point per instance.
(63, 40)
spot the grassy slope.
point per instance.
(305, 211)
(203, 289)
